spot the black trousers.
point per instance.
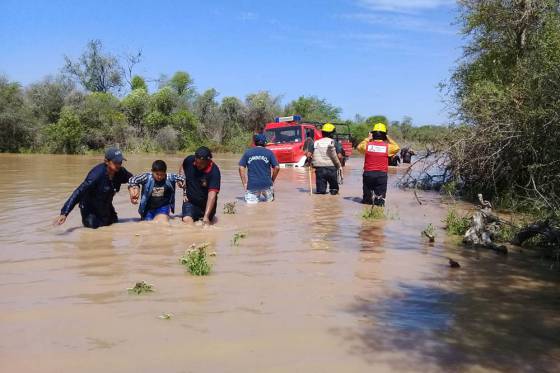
(92, 220)
(326, 176)
(374, 182)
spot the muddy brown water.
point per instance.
(313, 287)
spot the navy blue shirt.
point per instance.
(258, 161)
(199, 183)
(96, 192)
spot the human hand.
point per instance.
(206, 221)
(370, 136)
(181, 184)
(60, 220)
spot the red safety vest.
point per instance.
(377, 156)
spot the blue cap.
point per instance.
(115, 155)
(260, 139)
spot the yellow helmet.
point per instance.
(380, 127)
(328, 127)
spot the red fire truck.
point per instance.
(287, 135)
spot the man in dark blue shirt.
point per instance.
(202, 185)
(258, 161)
(95, 194)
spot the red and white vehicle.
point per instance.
(287, 135)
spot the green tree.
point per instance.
(138, 82)
(96, 70)
(182, 83)
(46, 98)
(505, 90)
(66, 135)
(17, 127)
(136, 106)
(102, 120)
(261, 109)
(164, 101)
(314, 109)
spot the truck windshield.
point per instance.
(283, 135)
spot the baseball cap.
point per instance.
(260, 139)
(115, 155)
(203, 153)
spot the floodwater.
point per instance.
(312, 288)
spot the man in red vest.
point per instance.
(378, 147)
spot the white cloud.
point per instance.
(404, 5)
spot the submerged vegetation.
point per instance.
(229, 208)
(374, 213)
(195, 260)
(237, 237)
(141, 288)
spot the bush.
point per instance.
(167, 139)
(456, 224)
(66, 135)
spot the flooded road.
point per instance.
(313, 287)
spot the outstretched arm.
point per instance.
(76, 196)
(210, 205)
(134, 184)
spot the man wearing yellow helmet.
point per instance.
(377, 147)
(326, 161)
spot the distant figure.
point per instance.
(95, 194)
(394, 160)
(202, 185)
(262, 169)
(406, 155)
(326, 161)
(377, 147)
(158, 192)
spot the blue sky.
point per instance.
(366, 56)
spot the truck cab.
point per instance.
(287, 137)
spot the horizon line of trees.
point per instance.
(82, 109)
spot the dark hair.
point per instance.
(328, 134)
(159, 165)
(378, 135)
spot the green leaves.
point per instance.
(195, 260)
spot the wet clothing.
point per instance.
(197, 186)
(326, 163)
(374, 183)
(326, 176)
(406, 155)
(195, 212)
(155, 194)
(376, 165)
(255, 196)
(258, 161)
(95, 196)
(163, 210)
(394, 161)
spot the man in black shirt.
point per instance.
(202, 185)
(95, 194)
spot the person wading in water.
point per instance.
(326, 161)
(377, 147)
(95, 194)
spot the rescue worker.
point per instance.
(326, 161)
(377, 147)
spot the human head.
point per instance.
(309, 133)
(113, 159)
(202, 158)
(328, 130)
(260, 139)
(159, 170)
(379, 131)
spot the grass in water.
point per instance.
(456, 224)
(378, 213)
(141, 288)
(430, 232)
(196, 261)
(238, 237)
(229, 208)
